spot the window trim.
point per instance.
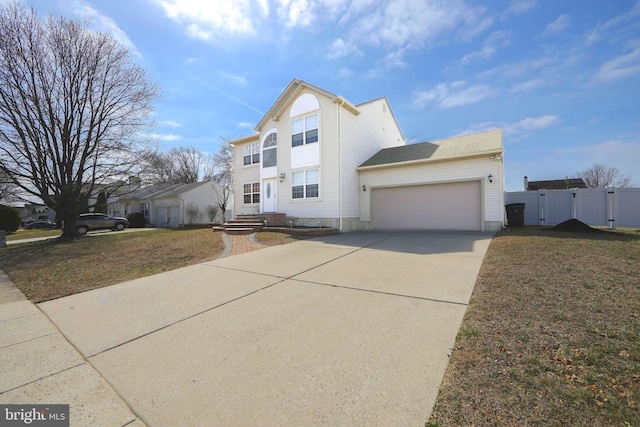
(254, 150)
(253, 194)
(273, 147)
(305, 130)
(305, 185)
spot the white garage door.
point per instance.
(453, 206)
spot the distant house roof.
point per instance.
(556, 184)
(161, 190)
(458, 147)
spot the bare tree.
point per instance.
(180, 165)
(72, 108)
(223, 175)
(159, 168)
(189, 164)
(193, 213)
(600, 175)
(9, 192)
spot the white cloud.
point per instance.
(514, 131)
(618, 68)
(234, 78)
(208, 20)
(295, 13)
(452, 95)
(166, 136)
(600, 31)
(104, 24)
(485, 53)
(170, 123)
(340, 49)
(245, 124)
(527, 86)
(560, 24)
(497, 39)
(411, 24)
(518, 7)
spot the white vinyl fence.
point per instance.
(613, 207)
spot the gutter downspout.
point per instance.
(338, 105)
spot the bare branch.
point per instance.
(72, 108)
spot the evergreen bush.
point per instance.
(9, 219)
(136, 220)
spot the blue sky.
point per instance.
(561, 78)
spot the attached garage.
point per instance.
(450, 184)
(450, 206)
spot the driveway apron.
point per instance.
(350, 329)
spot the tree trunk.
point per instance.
(69, 231)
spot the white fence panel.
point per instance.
(591, 206)
(615, 207)
(627, 207)
(558, 206)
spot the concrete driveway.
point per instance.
(350, 329)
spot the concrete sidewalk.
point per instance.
(346, 329)
(39, 366)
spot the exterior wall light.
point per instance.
(490, 178)
(281, 176)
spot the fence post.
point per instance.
(611, 200)
(543, 205)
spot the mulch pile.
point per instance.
(574, 226)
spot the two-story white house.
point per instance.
(324, 161)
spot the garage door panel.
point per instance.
(452, 206)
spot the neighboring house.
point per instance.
(324, 161)
(33, 211)
(171, 205)
(554, 184)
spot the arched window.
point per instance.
(270, 150)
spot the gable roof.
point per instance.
(291, 92)
(455, 148)
(556, 184)
(162, 190)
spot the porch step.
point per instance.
(274, 219)
(238, 231)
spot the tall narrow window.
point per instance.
(270, 151)
(251, 153)
(304, 184)
(304, 131)
(144, 209)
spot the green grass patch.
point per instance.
(560, 321)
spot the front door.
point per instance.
(269, 195)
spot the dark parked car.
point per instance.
(39, 224)
(100, 221)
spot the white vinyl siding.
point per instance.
(242, 175)
(362, 137)
(326, 204)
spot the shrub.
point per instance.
(136, 220)
(9, 219)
